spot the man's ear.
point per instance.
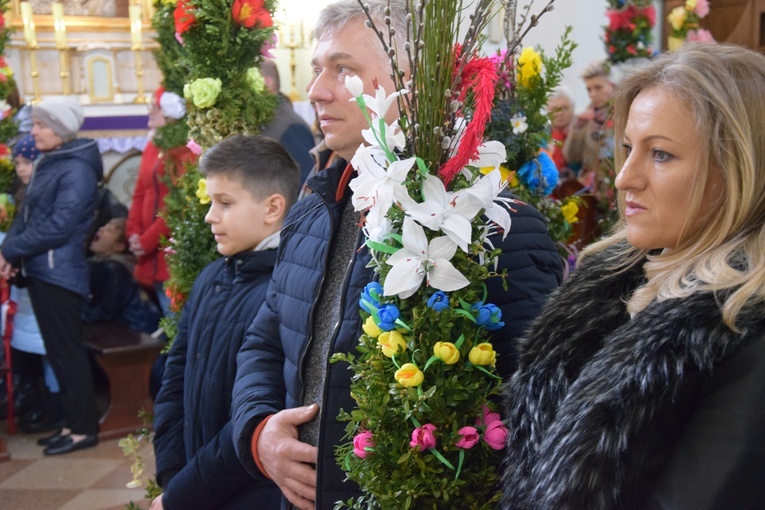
(275, 205)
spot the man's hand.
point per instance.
(287, 461)
(134, 244)
(157, 503)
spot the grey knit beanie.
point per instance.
(60, 113)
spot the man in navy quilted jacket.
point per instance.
(287, 396)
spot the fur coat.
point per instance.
(666, 410)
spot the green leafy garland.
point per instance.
(628, 33)
(222, 51)
(167, 55)
(8, 128)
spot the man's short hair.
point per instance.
(595, 69)
(262, 165)
(335, 16)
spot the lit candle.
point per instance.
(135, 26)
(29, 24)
(57, 9)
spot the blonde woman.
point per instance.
(642, 383)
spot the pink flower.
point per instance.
(702, 8)
(268, 45)
(361, 442)
(469, 438)
(700, 35)
(424, 437)
(179, 38)
(194, 147)
(487, 418)
(495, 435)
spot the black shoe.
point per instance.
(66, 444)
(49, 440)
(38, 421)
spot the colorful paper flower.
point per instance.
(529, 66)
(204, 91)
(487, 315)
(424, 437)
(439, 301)
(409, 375)
(482, 354)
(363, 443)
(392, 343)
(370, 327)
(184, 17)
(251, 13)
(570, 210)
(202, 195)
(469, 438)
(421, 260)
(446, 352)
(495, 435)
(388, 314)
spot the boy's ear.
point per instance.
(275, 205)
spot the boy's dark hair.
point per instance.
(261, 164)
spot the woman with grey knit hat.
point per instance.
(46, 245)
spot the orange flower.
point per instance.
(249, 13)
(184, 16)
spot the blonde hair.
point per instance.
(595, 69)
(723, 85)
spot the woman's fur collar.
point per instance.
(590, 378)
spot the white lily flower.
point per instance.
(448, 212)
(419, 260)
(487, 190)
(394, 136)
(379, 183)
(519, 124)
(354, 85)
(381, 103)
(490, 154)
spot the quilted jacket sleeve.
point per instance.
(56, 222)
(259, 390)
(169, 449)
(534, 269)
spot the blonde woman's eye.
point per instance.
(660, 156)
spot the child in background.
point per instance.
(36, 411)
(114, 294)
(252, 181)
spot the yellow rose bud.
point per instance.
(447, 352)
(392, 343)
(690, 4)
(409, 375)
(482, 354)
(370, 328)
(570, 211)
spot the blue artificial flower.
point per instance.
(370, 297)
(439, 301)
(540, 172)
(487, 315)
(388, 316)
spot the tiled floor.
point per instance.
(90, 479)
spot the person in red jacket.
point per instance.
(145, 226)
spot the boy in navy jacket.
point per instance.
(252, 182)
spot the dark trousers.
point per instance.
(58, 312)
